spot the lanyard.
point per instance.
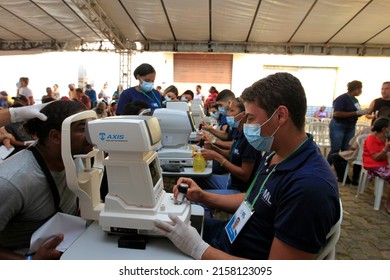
(151, 99)
(234, 146)
(251, 205)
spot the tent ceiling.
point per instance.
(352, 27)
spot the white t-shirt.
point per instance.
(26, 92)
(199, 96)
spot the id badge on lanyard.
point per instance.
(238, 221)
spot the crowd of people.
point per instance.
(267, 170)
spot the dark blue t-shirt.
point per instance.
(298, 204)
(153, 98)
(242, 151)
(346, 103)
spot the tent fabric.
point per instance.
(198, 25)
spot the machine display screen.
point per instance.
(154, 172)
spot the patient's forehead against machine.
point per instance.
(136, 195)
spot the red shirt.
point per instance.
(373, 145)
(211, 98)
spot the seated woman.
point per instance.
(321, 113)
(241, 160)
(171, 93)
(187, 96)
(375, 149)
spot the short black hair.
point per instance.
(277, 89)
(353, 85)
(143, 69)
(56, 113)
(134, 107)
(225, 95)
(380, 124)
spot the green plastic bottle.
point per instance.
(199, 162)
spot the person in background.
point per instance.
(72, 92)
(241, 160)
(101, 110)
(340, 159)
(159, 89)
(380, 107)
(83, 98)
(26, 198)
(375, 154)
(19, 101)
(187, 96)
(56, 92)
(223, 101)
(215, 115)
(145, 74)
(91, 93)
(49, 95)
(171, 93)
(4, 103)
(199, 94)
(117, 93)
(103, 95)
(321, 113)
(346, 111)
(213, 94)
(293, 201)
(112, 109)
(26, 91)
(136, 107)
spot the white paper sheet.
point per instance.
(70, 226)
(4, 152)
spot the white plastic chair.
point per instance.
(320, 132)
(309, 120)
(328, 252)
(379, 182)
(360, 127)
(359, 161)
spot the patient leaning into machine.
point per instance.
(136, 195)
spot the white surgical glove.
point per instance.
(183, 236)
(361, 112)
(25, 113)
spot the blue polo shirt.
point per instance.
(298, 204)
(346, 103)
(153, 98)
(242, 151)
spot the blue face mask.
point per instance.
(231, 122)
(147, 86)
(167, 98)
(183, 98)
(388, 134)
(252, 133)
(215, 115)
(222, 111)
(18, 84)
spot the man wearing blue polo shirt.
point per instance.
(292, 202)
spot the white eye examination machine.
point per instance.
(136, 195)
(176, 127)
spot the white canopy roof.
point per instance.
(353, 27)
